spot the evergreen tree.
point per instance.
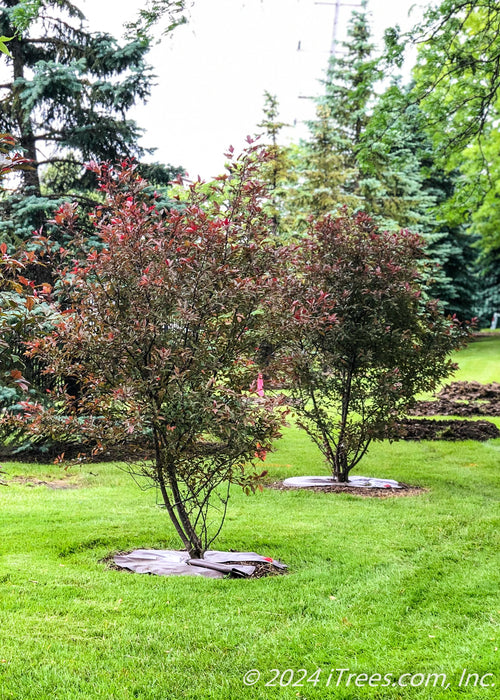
(304, 179)
(321, 174)
(350, 85)
(458, 284)
(373, 153)
(405, 187)
(66, 102)
(390, 157)
(396, 158)
(457, 87)
(329, 173)
(277, 171)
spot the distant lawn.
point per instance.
(390, 586)
(480, 361)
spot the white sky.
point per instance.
(212, 72)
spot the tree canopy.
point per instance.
(67, 97)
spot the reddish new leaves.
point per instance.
(163, 322)
(160, 335)
(363, 339)
(17, 293)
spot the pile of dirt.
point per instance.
(46, 454)
(471, 390)
(451, 430)
(462, 399)
(31, 481)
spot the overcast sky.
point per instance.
(212, 72)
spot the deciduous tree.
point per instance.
(363, 340)
(161, 331)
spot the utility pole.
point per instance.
(337, 4)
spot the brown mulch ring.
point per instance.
(462, 399)
(32, 482)
(450, 430)
(404, 490)
(262, 569)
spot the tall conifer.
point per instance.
(66, 100)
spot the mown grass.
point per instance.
(479, 361)
(395, 585)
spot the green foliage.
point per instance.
(477, 201)
(3, 44)
(457, 90)
(68, 96)
(391, 154)
(458, 69)
(278, 170)
(322, 174)
(155, 12)
(24, 12)
(405, 186)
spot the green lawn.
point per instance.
(480, 361)
(390, 586)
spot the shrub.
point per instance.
(363, 339)
(160, 331)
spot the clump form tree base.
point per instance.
(214, 564)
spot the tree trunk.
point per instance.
(190, 540)
(341, 467)
(176, 510)
(341, 459)
(26, 136)
(27, 142)
(194, 546)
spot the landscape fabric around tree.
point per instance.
(214, 564)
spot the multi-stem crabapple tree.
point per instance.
(161, 330)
